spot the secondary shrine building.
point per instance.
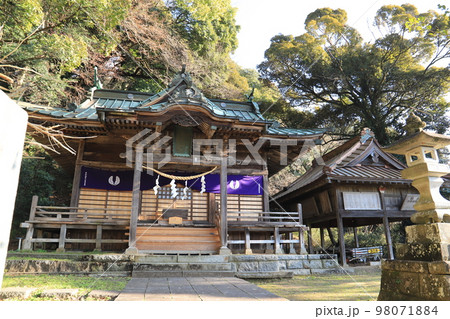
(172, 172)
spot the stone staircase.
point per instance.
(200, 240)
(182, 266)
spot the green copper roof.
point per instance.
(180, 92)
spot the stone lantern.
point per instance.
(422, 268)
(425, 171)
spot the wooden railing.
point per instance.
(65, 214)
(63, 217)
(269, 221)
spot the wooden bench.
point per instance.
(268, 221)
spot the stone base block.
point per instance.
(415, 280)
(426, 242)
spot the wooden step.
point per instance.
(178, 230)
(186, 246)
(177, 239)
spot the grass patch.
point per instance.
(84, 284)
(353, 287)
(36, 258)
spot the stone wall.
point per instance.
(252, 266)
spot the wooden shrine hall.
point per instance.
(357, 184)
(171, 172)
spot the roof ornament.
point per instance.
(182, 76)
(250, 96)
(366, 134)
(97, 84)
(414, 124)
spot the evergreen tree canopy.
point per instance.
(348, 83)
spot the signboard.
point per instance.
(410, 201)
(361, 201)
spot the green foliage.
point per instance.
(207, 25)
(56, 36)
(332, 73)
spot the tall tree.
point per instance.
(42, 40)
(347, 82)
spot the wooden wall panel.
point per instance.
(152, 206)
(100, 198)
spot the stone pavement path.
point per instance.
(194, 289)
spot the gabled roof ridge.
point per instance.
(341, 148)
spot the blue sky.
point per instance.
(260, 20)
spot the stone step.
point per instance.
(149, 259)
(181, 273)
(183, 267)
(265, 275)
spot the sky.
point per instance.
(260, 20)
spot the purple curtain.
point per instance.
(123, 181)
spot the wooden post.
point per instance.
(310, 243)
(291, 245)
(330, 234)
(77, 176)
(266, 193)
(135, 201)
(248, 249)
(322, 239)
(340, 226)
(62, 238)
(277, 247)
(301, 238)
(387, 230)
(98, 238)
(355, 234)
(211, 207)
(27, 241)
(224, 250)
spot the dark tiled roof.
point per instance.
(367, 172)
(345, 165)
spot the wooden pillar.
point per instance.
(211, 207)
(355, 234)
(276, 238)
(310, 243)
(340, 226)
(291, 245)
(341, 240)
(330, 234)
(266, 193)
(62, 238)
(248, 249)
(98, 238)
(322, 239)
(301, 237)
(77, 175)
(224, 250)
(135, 201)
(27, 244)
(387, 230)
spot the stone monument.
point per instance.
(13, 125)
(422, 268)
